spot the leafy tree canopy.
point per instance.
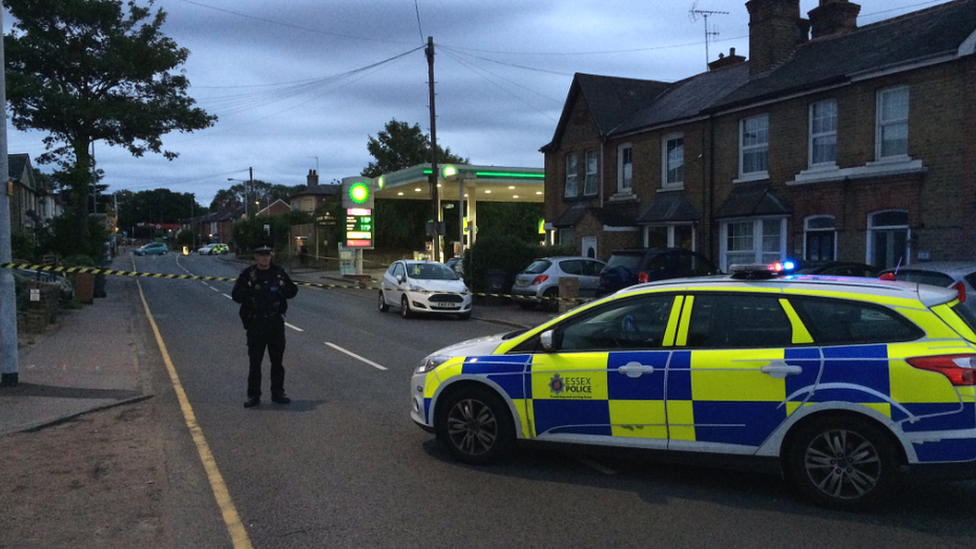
(400, 146)
(257, 191)
(155, 206)
(95, 70)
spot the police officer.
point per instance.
(263, 290)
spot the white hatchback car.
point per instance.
(424, 287)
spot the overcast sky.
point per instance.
(303, 84)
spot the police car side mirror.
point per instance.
(549, 340)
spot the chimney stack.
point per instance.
(775, 30)
(834, 17)
(724, 61)
(312, 178)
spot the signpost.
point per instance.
(359, 228)
(357, 199)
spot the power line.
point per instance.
(290, 25)
(420, 27)
(503, 88)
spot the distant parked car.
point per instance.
(424, 287)
(540, 280)
(628, 267)
(213, 249)
(456, 264)
(958, 275)
(153, 248)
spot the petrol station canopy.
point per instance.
(481, 183)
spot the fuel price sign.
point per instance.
(359, 228)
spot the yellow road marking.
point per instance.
(235, 527)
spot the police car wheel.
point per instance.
(476, 426)
(843, 463)
(405, 311)
(382, 303)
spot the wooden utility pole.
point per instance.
(432, 181)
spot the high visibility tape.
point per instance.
(113, 272)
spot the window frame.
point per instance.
(807, 230)
(882, 124)
(874, 229)
(758, 252)
(625, 180)
(672, 240)
(762, 147)
(571, 176)
(666, 182)
(814, 136)
(589, 176)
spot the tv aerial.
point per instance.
(694, 14)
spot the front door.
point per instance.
(606, 379)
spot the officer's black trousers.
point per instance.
(266, 333)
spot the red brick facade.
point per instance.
(933, 187)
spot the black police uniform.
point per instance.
(263, 295)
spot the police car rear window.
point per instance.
(839, 322)
(966, 314)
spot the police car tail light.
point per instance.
(960, 369)
(961, 288)
(539, 279)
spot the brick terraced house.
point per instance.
(832, 141)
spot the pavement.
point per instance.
(94, 357)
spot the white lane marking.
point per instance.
(601, 468)
(227, 296)
(296, 328)
(212, 288)
(357, 357)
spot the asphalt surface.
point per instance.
(93, 358)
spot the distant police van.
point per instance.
(838, 381)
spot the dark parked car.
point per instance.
(628, 267)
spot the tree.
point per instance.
(155, 206)
(260, 191)
(400, 146)
(399, 223)
(90, 70)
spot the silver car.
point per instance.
(958, 275)
(539, 282)
(424, 287)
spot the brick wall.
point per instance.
(940, 201)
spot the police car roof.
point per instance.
(928, 295)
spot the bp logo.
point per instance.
(556, 384)
(359, 192)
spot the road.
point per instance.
(344, 466)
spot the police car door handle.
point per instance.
(779, 370)
(635, 369)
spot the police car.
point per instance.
(842, 383)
